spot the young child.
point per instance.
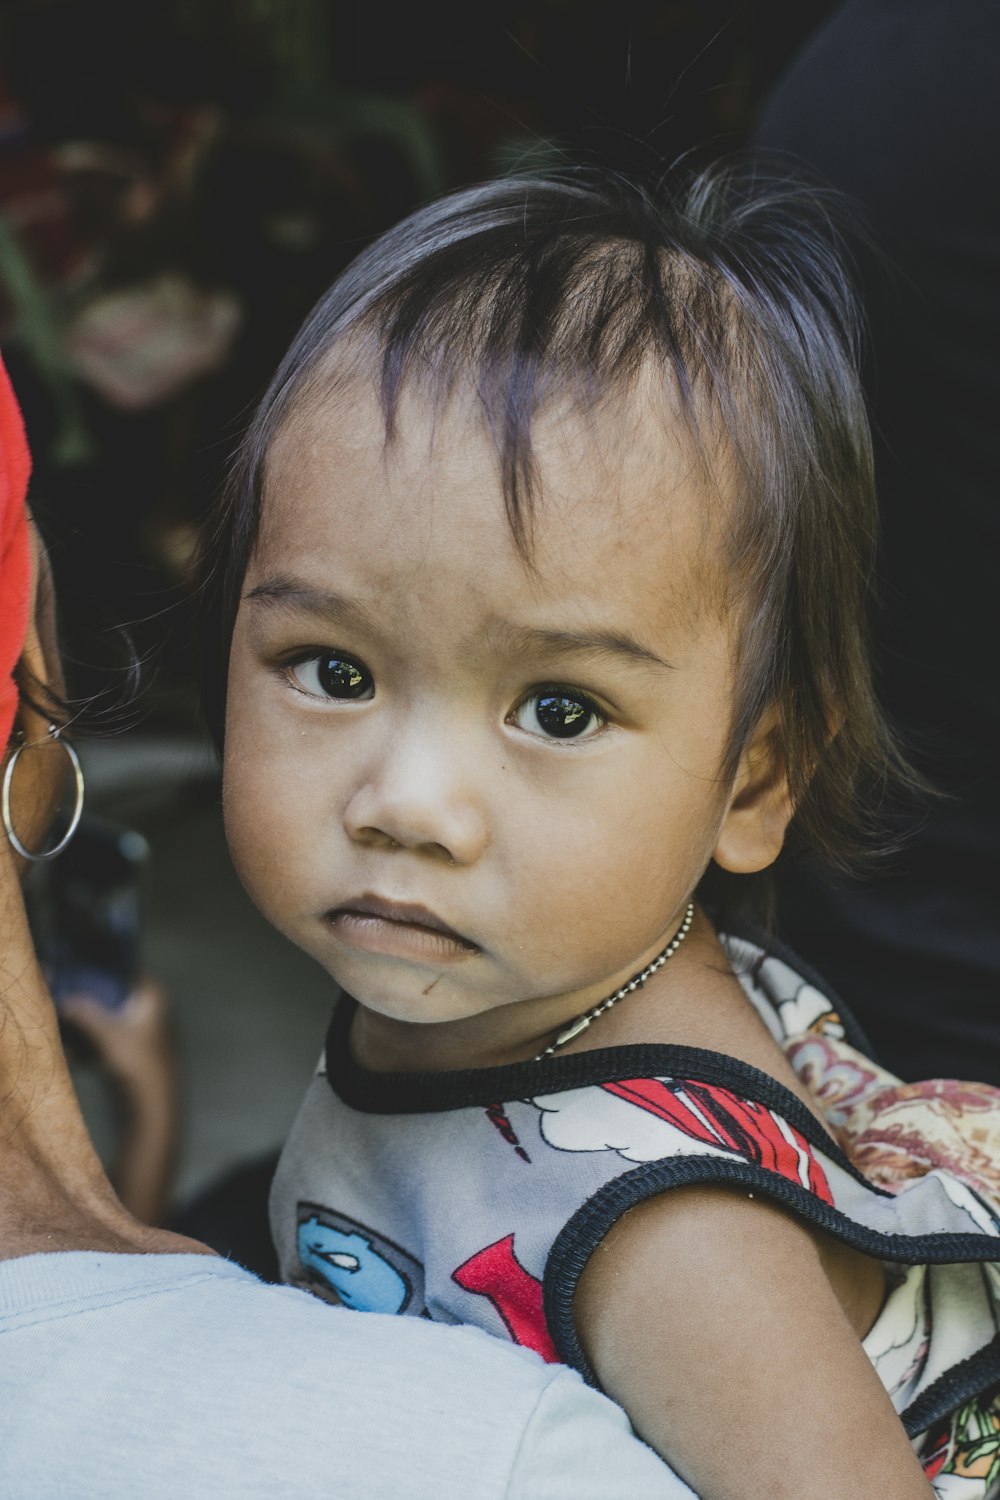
(537, 605)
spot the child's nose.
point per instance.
(419, 800)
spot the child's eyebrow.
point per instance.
(287, 593)
(505, 637)
(518, 639)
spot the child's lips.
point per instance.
(397, 931)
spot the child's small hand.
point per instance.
(134, 1045)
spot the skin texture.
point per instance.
(54, 1194)
(565, 864)
(750, 1376)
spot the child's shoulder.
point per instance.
(548, 1159)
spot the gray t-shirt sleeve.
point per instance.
(578, 1446)
(182, 1376)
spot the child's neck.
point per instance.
(693, 1001)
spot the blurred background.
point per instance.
(179, 181)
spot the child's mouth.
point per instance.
(397, 931)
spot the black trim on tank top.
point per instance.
(975, 1376)
(439, 1091)
(581, 1235)
(773, 947)
(417, 1093)
(435, 1092)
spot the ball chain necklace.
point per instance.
(635, 983)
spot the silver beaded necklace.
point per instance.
(635, 983)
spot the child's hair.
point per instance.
(533, 290)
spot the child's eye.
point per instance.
(559, 713)
(328, 674)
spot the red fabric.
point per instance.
(15, 549)
(496, 1273)
(718, 1117)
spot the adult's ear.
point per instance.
(39, 779)
(760, 806)
(41, 666)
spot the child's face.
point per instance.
(416, 719)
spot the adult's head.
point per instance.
(53, 1189)
(30, 676)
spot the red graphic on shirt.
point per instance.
(498, 1117)
(936, 1448)
(496, 1273)
(717, 1117)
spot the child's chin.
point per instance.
(416, 998)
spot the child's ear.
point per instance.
(760, 806)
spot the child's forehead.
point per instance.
(626, 531)
(632, 452)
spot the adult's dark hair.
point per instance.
(542, 289)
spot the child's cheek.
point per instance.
(254, 811)
(248, 815)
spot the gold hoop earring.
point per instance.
(55, 733)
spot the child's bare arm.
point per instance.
(712, 1320)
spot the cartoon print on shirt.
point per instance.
(344, 1261)
(961, 1458)
(980, 1214)
(898, 1342)
(499, 1118)
(788, 1005)
(495, 1273)
(649, 1119)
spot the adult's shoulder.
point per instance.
(167, 1374)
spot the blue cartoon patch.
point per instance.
(360, 1268)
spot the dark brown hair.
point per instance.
(563, 287)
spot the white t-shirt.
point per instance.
(183, 1377)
